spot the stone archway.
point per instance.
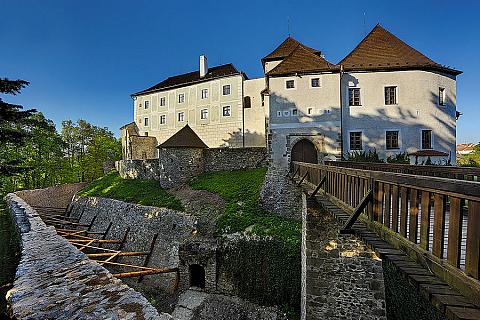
(304, 151)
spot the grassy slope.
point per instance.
(240, 190)
(145, 192)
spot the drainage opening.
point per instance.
(197, 276)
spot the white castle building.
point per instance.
(384, 95)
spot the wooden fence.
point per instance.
(461, 173)
(438, 214)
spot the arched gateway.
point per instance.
(304, 151)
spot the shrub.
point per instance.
(364, 156)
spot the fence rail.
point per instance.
(451, 172)
(440, 215)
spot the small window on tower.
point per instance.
(441, 96)
(147, 104)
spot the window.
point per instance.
(162, 101)
(279, 113)
(294, 112)
(286, 113)
(204, 114)
(204, 93)
(392, 140)
(441, 96)
(356, 140)
(226, 90)
(145, 122)
(181, 98)
(181, 116)
(162, 119)
(247, 102)
(227, 111)
(315, 82)
(426, 139)
(390, 95)
(147, 104)
(310, 110)
(290, 84)
(354, 97)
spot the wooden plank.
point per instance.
(403, 210)
(425, 221)
(386, 220)
(439, 207)
(395, 208)
(454, 231)
(472, 265)
(378, 202)
(413, 227)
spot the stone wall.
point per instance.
(58, 196)
(172, 228)
(279, 194)
(228, 159)
(177, 166)
(54, 280)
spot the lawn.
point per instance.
(240, 190)
(144, 192)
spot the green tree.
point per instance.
(103, 147)
(472, 159)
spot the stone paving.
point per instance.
(344, 279)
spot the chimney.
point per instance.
(203, 66)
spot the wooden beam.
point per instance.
(356, 213)
(322, 181)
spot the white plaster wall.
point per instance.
(255, 117)
(417, 108)
(216, 131)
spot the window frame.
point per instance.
(164, 101)
(442, 97)
(183, 98)
(431, 139)
(164, 117)
(146, 122)
(229, 89)
(290, 81)
(350, 140)
(229, 111)
(399, 145)
(311, 82)
(202, 95)
(294, 112)
(183, 116)
(146, 104)
(202, 113)
(353, 89)
(385, 95)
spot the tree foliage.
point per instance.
(34, 155)
(472, 159)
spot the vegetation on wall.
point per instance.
(144, 192)
(240, 190)
(34, 155)
(364, 156)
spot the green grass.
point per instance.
(145, 192)
(241, 190)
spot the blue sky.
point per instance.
(84, 58)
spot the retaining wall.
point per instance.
(54, 280)
(172, 227)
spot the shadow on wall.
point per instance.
(249, 139)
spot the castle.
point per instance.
(383, 95)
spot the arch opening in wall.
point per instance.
(304, 151)
(197, 276)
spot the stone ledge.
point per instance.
(54, 280)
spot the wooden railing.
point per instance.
(437, 214)
(461, 173)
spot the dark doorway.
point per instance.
(197, 276)
(304, 151)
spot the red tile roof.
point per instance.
(285, 49)
(184, 138)
(381, 50)
(302, 60)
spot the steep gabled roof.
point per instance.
(302, 60)
(184, 138)
(192, 77)
(285, 49)
(381, 50)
